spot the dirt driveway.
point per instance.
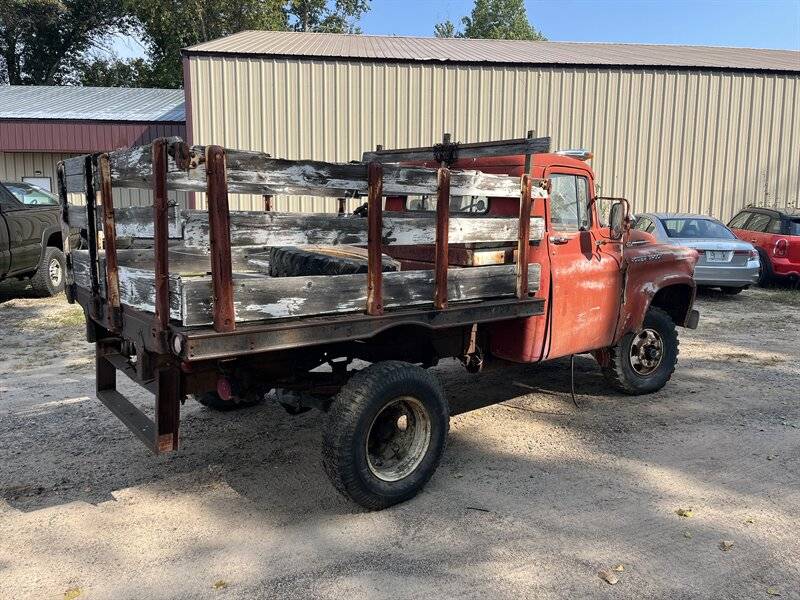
(533, 498)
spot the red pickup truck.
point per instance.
(502, 259)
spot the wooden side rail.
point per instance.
(258, 173)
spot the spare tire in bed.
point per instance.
(292, 261)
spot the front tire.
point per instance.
(49, 277)
(386, 433)
(643, 362)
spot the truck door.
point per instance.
(24, 234)
(586, 275)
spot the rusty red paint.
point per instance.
(220, 237)
(523, 241)
(110, 235)
(441, 260)
(374, 239)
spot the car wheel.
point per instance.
(386, 433)
(765, 273)
(49, 277)
(643, 361)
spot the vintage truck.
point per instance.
(493, 253)
(30, 237)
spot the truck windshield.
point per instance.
(30, 195)
(696, 229)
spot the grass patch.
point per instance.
(70, 317)
(785, 297)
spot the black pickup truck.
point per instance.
(31, 244)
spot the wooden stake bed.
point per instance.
(178, 300)
(205, 276)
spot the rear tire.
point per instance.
(290, 261)
(213, 401)
(385, 435)
(765, 273)
(731, 291)
(643, 362)
(49, 277)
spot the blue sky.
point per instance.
(745, 23)
(750, 23)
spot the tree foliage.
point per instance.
(321, 16)
(166, 26)
(493, 19)
(41, 40)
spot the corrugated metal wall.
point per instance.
(699, 141)
(16, 165)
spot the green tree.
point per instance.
(113, 72)
(493, 19)
(166, 26)
(41, 40)
(320, 15)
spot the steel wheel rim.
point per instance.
(647, 352)
(55, 272)
(398, 439)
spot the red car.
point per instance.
(776, 235)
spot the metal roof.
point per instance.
(512, 52)
(91, 103)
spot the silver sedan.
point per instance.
(725, 261)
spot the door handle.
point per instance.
(559, 240)
(754, 240)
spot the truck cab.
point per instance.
(597, 289)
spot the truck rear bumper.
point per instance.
(727, 276)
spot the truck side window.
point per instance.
(645, 224)
(569, 199)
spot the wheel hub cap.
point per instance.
(647, 351)
(54, 271)
(398, 439)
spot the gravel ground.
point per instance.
(533, 498)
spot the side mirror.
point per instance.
(618, 219)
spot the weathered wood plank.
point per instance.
(260, 298)
(514, 147)
(132, 221)
(74, 175)
(136, 286)
(291, 229)
(258, 173)
(194, 262)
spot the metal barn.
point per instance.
(678, 128)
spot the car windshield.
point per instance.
(794, 226)
(30, 194)
(696, 229)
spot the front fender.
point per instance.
(658, 275)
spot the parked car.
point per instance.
(776, 235)
(30, 237)
(725, 261)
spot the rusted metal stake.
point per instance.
(267, 203)
(220, 236)
(527, 170)
(161, 237)
(113, 317)
(523, 242)
(374, 239)
(442, 259)
(342, 203)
